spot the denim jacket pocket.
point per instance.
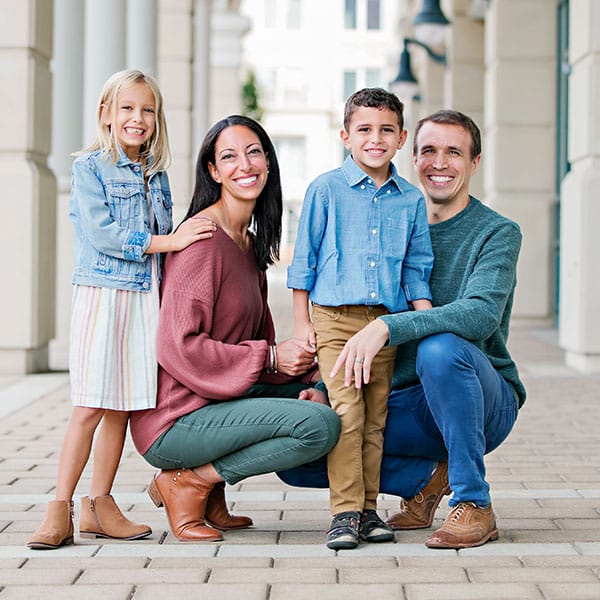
(125, 203)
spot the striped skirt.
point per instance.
(112, 360)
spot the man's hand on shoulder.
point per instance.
(358, 353)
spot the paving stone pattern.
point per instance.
(545, 483)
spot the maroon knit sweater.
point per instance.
(213, 334)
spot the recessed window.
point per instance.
(373, 14)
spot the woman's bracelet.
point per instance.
(272, 359)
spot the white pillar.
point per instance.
(579, 320)
(29, 188)
(175, 75)
(104, 54)
(464, 76)
(141, 35)
(67, 111)
(520, 137)
(202, 81)
(227, 30)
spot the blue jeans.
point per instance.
(461, 410)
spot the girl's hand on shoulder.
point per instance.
(192, 230)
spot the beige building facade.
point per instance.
(526, 70)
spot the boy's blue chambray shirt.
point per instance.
(360, 245)
(112, 222)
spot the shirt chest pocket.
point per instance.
(125, 202)
(395, 237)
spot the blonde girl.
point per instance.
(121, 211)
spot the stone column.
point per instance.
(105, 27)
(463, 84)
(579, 318)
(227, 30)
(141, 35)
(29, 188)
(67, 111)
(176, 74)
(202, 82)
(519, 139)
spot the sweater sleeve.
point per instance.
(477, 311)
(194, 298)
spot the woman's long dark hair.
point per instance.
(266, 218)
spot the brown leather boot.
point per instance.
(466, 526)
(217, 514)
(101, 518)
(184, 496)
(56, 529)
(418, 512)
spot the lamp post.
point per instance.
(429, 26)
(430, 23)
(405, 84)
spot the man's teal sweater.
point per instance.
(472, 284)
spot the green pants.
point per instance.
(249, 436)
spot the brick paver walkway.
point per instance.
(545, 487)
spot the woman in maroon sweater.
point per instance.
(231, 403)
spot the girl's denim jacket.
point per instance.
(112, 222)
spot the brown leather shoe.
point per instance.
(217, 513)
(417, 513)
(467, 525)
(101, 518)
(184, 496)
(56, 529)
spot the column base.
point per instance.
(18, 361)
(584, 363)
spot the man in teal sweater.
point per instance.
(456, 391)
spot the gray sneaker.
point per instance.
(343, 531)
(373, 529)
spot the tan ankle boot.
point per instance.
(217, 513)
(101, 517)
(56, 528)
(184, 495)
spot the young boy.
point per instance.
(363, 250)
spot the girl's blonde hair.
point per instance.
(157, 147)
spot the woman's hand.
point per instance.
(314, 395)
(294, 357)
(358, 352)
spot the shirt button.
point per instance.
(374, 231)
(389, 191)
(369, 181)
(136, 169)
(372, 263)
(373, 295)
(375, 199)
(362, 187)
(145, 285)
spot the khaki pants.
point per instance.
(354, 463)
